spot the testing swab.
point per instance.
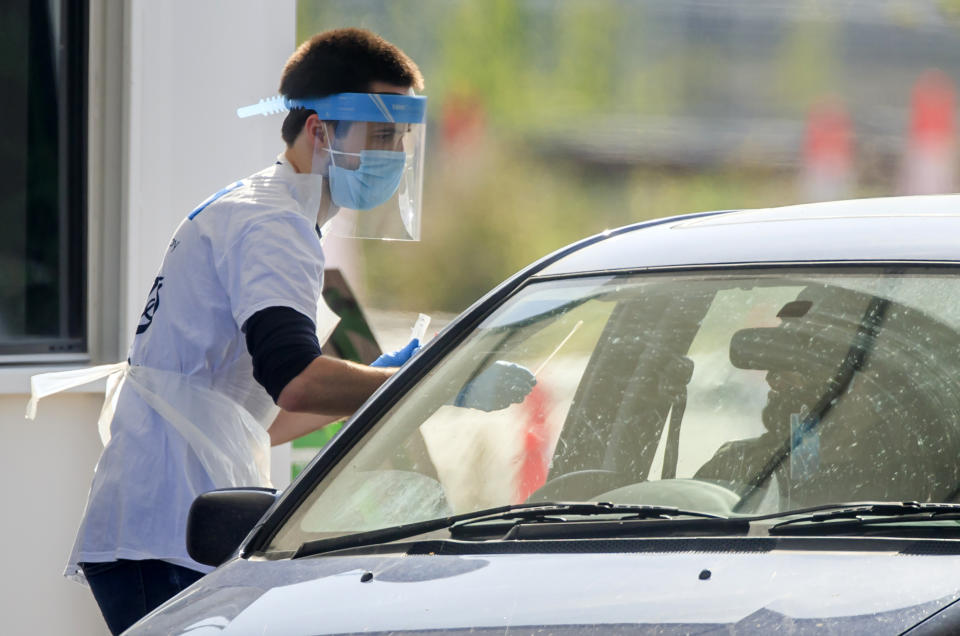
(419, 330)
(557, 350)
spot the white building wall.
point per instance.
(192, 64)
(189, 64)
(45, 466)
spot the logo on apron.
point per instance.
(153, 303)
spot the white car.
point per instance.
(743, 422)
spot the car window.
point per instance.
(726, 392)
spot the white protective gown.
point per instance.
(184, 414)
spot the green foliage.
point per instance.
(951, 8)
(488, 215)
(484, 218)
(482, 49)
(805, 66)
(534, 69)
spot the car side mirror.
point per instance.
(220, 520)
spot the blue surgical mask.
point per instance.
(372, 183)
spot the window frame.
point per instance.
(72, 48)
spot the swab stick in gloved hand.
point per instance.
(419, 330)
(557, 350)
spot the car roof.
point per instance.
(910, 228)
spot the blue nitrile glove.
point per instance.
(397, 358)
(497, 387)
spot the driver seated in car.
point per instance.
(836, 454)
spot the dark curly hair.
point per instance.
(341, 61)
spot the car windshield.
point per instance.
(737, 392)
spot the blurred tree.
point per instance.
(586, 74)
(806, 66)
(950, 8)
(483, 53)
(703, 101)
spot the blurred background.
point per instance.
(551, 120)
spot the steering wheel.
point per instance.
(580, 485)
(691, 494)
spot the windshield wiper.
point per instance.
(538, 512)
(579, 521)
(844, 516)
(547, 512)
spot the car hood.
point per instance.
(842, 592)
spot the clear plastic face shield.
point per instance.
(370, 153)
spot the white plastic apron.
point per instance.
(232, 446)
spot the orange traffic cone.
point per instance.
(930, 166)
(827, 155)
(537, 445)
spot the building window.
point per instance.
(43, 62)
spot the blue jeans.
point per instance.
(126, 591)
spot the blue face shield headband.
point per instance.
(382, 107)
(385, 184)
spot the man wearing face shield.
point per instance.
(226, 358)
(363, 152)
